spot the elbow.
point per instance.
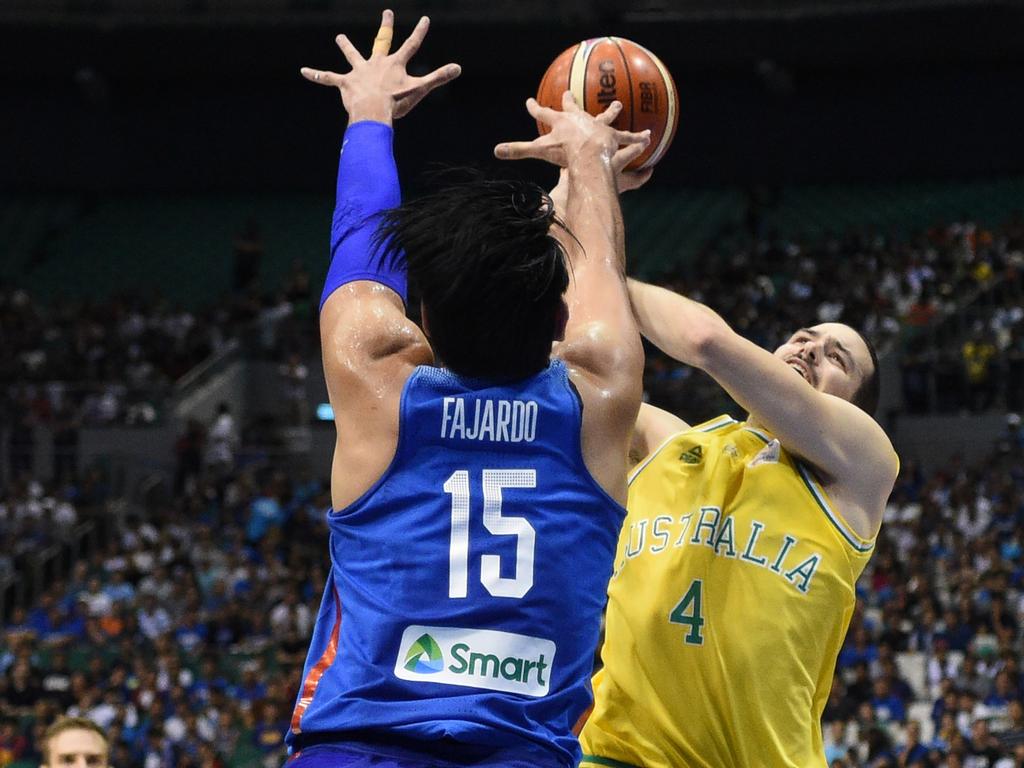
(707, 342)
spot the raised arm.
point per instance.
(779, 391)
(600, 337)
(362, 317)
(369, 346)
(601, 345)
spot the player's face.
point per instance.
(831, 357)
(76, 748)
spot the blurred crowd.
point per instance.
(892, 289)
(184, 636)
(34, 516)
(80, 362)
(74, 362)
(930, 674)
(974, 361)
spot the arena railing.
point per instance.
(943, 341)
(210, 367)
(35, 571)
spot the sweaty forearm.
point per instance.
(367, 185)
(592, 207)
(681, 328)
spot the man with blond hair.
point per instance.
(75, 742)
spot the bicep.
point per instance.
(364, 333)
(601, 336)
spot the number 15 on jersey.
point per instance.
(493, 481)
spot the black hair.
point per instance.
(490, 273)
(870, 390)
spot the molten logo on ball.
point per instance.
(606, 69)
(648, 98)
(606, 95)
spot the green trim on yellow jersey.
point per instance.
(818, 494)
(595, 760)
(711, 426)
(707, 426)
(760, 434)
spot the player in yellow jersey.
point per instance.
(734, 577)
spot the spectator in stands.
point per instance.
(188, 450)
(997, 703)
(13, 745)
(837, 747)
(265, 512)
(888, 707)
(1012, 733)
(984, 747)
(958, 630)
(75, 742)
(911, 752)
(290, 618)
(97, 600)
(223, 441)
(153, 620)
(858, 648)
(978, 353)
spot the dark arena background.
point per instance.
(167, 183)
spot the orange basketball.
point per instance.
(604, 69)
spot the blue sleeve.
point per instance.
(367, 185)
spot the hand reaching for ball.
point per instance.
(574, 132)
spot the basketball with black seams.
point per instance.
(604, 69)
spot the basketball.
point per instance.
(603, 69)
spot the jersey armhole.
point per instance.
(635, 472)
(336, 514)
(578, 440)
(857, 543)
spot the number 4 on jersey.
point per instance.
(688, 613)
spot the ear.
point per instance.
(561, 320)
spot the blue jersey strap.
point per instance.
(367, 185)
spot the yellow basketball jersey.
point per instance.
(731, 595)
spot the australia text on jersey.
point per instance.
(720, 535)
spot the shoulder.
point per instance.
(605, 367)
(369, 345)
(858, 496)
(610, 404)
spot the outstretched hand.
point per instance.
(379, 88)
(573, 130)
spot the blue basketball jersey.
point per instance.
(467, 585)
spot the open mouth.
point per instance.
(801, 369)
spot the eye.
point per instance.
(839, 359)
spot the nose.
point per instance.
(811, 351)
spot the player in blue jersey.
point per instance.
(478, 479)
